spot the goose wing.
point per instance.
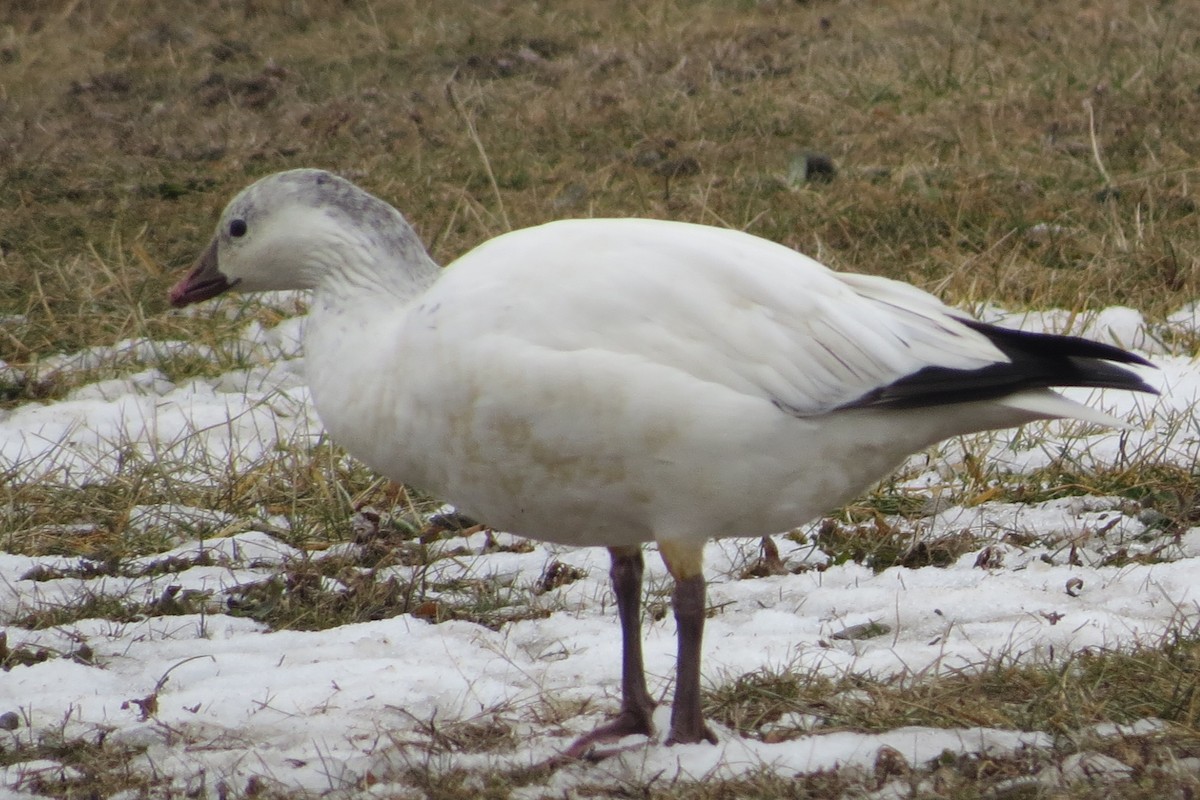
(734, 310)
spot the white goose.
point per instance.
(618, 381)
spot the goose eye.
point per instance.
(237, 228)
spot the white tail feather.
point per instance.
(1046, 404)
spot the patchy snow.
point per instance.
(213, 697)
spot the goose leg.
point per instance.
(637, 707)
(687, 720)
(685, 562)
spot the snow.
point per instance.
(209, 695)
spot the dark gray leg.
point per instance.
(637, 707)
(687, 721)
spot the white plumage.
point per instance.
(613, 382)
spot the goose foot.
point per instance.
(629, 722)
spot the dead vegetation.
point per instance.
(1027, 155)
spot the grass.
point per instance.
(1061, 697)
(1032, 155)
(85, 766)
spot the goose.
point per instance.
(616, 382)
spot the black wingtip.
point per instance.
(1051, 344)
(1036, 361)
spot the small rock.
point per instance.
(819, 168)
(10, 721)
(865, 630)
(811, 168)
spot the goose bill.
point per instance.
(203, 281)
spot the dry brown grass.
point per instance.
(1031, 155)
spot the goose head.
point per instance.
(303, 229)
